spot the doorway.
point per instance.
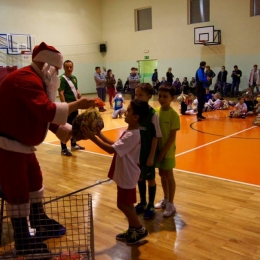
(146, 70)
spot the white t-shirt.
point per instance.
(127, 172)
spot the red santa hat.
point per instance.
(47, 54)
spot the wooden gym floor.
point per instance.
(217, 196)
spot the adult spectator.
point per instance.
(222, 81)
(68, 92)
(210, 74)
(110, 85)
(134, 80)
(201, 85)
(236, 75)
(254, 79)
(177, 85)
(193, 86)
(185, 87)
(100, 80)
(169, 76)
(155, 77)
(27, 111)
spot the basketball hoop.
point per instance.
(26, 54)
(204, 42)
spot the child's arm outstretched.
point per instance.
(103, 142)
(168, 144)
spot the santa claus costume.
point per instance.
(27, 111)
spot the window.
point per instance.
(255, 7)
(198, 11)
(143, 19)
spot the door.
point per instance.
(146, 70)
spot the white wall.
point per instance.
(78, 27)
(73, 27)
(171, 40)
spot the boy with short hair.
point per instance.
(150, 132)
(170, 124)
(124, 169)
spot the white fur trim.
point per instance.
(17, 210)
(64, 133)
(15, 146)
(51, 57)
(36, 196)
(62, 112)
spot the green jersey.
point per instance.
(64, 85)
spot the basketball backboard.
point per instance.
(207, 35)
(14, 44)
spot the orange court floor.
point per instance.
(217, 147)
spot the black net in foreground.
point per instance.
(58, 228)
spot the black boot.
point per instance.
(24, 243)
(45, 227)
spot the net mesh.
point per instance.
(84, 56)
(75, 213)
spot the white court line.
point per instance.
(218, 178)
(223, 138)
(84, 151)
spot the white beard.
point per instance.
(51, 80)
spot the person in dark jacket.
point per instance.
(210, 74)
(236, 75)
(155, 77)
(222, 81)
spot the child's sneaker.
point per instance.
(170, 210)
(161, 204)
(149, 212)
(136, 236)
(139, 208)
(124, 235)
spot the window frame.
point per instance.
(136, 18)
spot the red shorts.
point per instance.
(126, 196)
(20, 174)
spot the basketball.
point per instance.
(90, 119)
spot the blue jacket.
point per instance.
(201, 77)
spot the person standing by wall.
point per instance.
(110, 84)
(155, 78)
(210, 74)
(201, 85)
(222, 81)
(100, 80)
(134, 80)
(254, 79)
(169, 76)
(68, 92)
(236, 75)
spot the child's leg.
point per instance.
(151, 191)
(129, 211)
(169, 186)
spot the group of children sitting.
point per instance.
(248, 104)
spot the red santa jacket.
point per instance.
(25, 109)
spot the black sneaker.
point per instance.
(124, 235)
(149, 212)
(66, 152)
(202, 117)
(136, 236)
(139, 208)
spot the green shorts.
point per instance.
(166, 164)
(147, 172)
